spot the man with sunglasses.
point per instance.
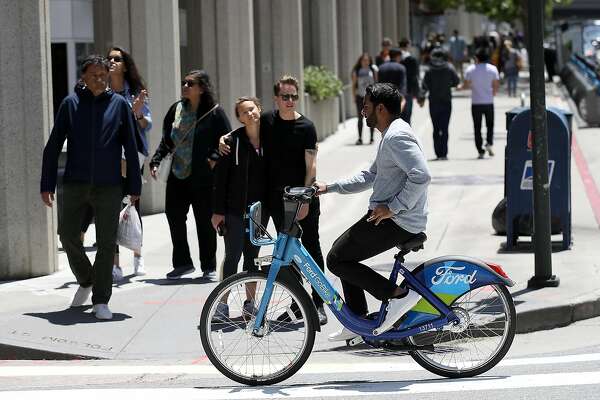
(290, 144)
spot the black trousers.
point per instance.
(361, 241)
(478, 111)
(359, 101)
(310, 232)
(237, 242)
(440, 118)
(408, 107)
(181, 194)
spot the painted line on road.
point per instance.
(341, 390)
(591, 189)
(208, 369)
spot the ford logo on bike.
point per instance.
(445, 275)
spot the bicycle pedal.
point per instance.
(355, 341)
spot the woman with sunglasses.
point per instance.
(125, 80)
(191, 131)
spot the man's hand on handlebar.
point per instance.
(321, 188)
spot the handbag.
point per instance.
(164, 168)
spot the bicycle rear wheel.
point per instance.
(478, 342)
(284, 343)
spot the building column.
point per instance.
(350, 41)
(372, 26)
(403, 8)
(278, 42)
(324, 33)
(151, 28)
(28, 228)
(389, 20)
(236, 75)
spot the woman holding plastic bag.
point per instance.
(126, 80)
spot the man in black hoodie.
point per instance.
(438, 82)
(98, 125)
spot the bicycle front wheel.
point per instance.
(486, 328)
(283, 343)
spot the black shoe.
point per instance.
(178, 272)
(322, 315)
(358, 142)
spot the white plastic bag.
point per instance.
(129, 234)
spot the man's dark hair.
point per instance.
(403, 43)
(395, 52)
(482, 55)
(94, 59)
(455, 32)
(439, 53)
(387, 94)
(285, 80)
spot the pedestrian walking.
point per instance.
(191, 131)
(458, 52)
(512, 65)
(97, 125)
(412, 78)
(364, 73)
(394, 72)
(484, 80)
(290, 144)
(125, 80)
(240, 180)
(384, 54)
(438, 81)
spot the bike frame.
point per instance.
(289, 250)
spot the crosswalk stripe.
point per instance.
(342, 390)
(207, 369)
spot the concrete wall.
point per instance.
(372, 26)
(350, 39)
(27, 227)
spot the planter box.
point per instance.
(324, 114)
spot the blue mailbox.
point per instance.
(519, 173)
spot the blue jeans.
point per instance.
(511, 82)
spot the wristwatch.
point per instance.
(138, 117)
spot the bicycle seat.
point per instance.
(299, 194)
(415, 243)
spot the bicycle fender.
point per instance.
(286, 276)
(449, 277)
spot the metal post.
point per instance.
(541, 189)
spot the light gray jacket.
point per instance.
(399, 177)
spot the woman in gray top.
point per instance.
(364, 74)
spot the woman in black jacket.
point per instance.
(191, 131)
(240, 180)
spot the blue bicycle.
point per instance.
(258, 328)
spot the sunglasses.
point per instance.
(115, 58)
(188, 83)
(287, 97)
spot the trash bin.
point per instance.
(518, 178)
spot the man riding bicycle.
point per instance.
(397, 210)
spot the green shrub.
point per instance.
(320, 83)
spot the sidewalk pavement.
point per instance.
(156, 319)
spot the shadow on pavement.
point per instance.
(180, 281)
(74, 316)
(527, 247)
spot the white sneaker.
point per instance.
(396, 309)
(490, 149)
(81, 296)
(138, 266)
(117, 274)
(209, 275)
(342, 335)
(102, 311)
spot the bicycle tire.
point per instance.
(425, 358)
(296, 294)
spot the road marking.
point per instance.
(588, 180)
(342, 390)
(208, 369)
